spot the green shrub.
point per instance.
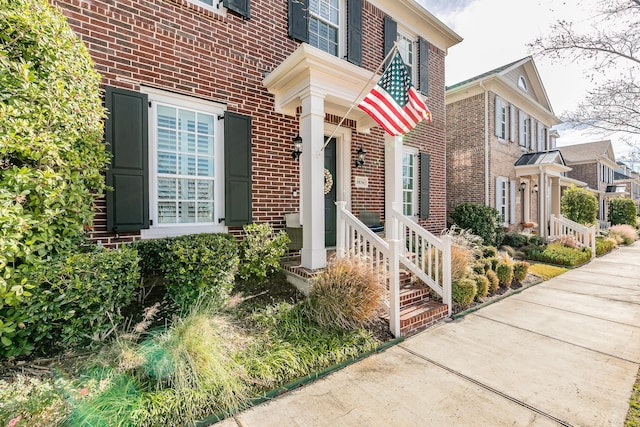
(200, 267)
(482, 220)
(463, 291)
(52, 154)
(260, 251)
(482, 285)
(504, 272)
(579, 205)
(78, 299)
(492, 262)
(32, 401)
(605, 245)
(520, 270)
(489, 252)
(622, 211)
(535, 240)
(494, 282)
(347, 294)
(479, 266)
(515, 240)
(556, 253)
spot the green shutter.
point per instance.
(126, 132)
(390, 36)
(354, 31)
(425, 166)
(237, 169)
(241, 7)
(299, 20)
(423, 46)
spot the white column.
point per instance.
(313, 254)
(542, 209)
(392, 180)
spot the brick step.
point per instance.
(412, 295)
(418, 316)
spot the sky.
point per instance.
(496, 32)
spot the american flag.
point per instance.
(394, 103)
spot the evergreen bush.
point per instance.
(520, 270)
(622, 211)
(504, 271)
(463, 291)
(482, 285)
(482, 220)
(579, 205)
(494, 282)
(260, 251)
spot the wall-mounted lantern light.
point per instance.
(297, 147)
(523, 186)
(361, 153)
(535, 188)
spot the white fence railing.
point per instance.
(423, 254)
(426, 256)
(353, 237)
(561, 226)
(604, 225)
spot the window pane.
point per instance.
(166, 140)
(186, 189)
(187, 164)
(167, 212)
(187, 212)
(205, 145)
(205, 212)
(205, 166)
(166, 188)
(187, 142)
(205, 190)
(187, 120)
(166, 162)
(205, 124)
(166, 117)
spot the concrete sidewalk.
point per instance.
(565, 352)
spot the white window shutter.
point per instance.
(512, 202)
(512, 122)
(530, 136)
(498, 117)
(540, 136)
(521, 119)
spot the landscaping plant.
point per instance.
(556, 253)
(622, 210)
(482, 285)
(482, 220)
(52, 154)
(348, 294)
(579, 205)
(463, 291)
(628, 233)
(520, 270)
(504, 271)
(260, 251)
(494, 281)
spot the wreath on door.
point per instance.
(328, 181)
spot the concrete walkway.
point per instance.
(564, 352)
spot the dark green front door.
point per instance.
(330, 197)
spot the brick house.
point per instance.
(628, 178)
(501, 150)
(205, 99)
(594, 163)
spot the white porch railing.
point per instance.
(430, 260)
(561, 226)
(604, 225)
(426, 256)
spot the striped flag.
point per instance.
(394, 103)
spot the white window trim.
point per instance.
(342, 28)
(503, 184)
(219, 10)
(416, 181)
(402, 32)
(168, 230)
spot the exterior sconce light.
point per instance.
(535, 188)
(297, 147)
(523, 186)
(361, 153)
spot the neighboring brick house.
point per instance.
(594, 163)
(630, 179)
(206, 96)
(501, 151)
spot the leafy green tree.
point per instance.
(52, 154)
(622, 211)
(579, 205)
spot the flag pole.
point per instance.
(353, 104)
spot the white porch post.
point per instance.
(392, 181)
(314, 253)
(542, 209)
(555, 196)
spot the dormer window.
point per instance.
(522, 83)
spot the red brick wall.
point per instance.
(465, 152)
(176, 46)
